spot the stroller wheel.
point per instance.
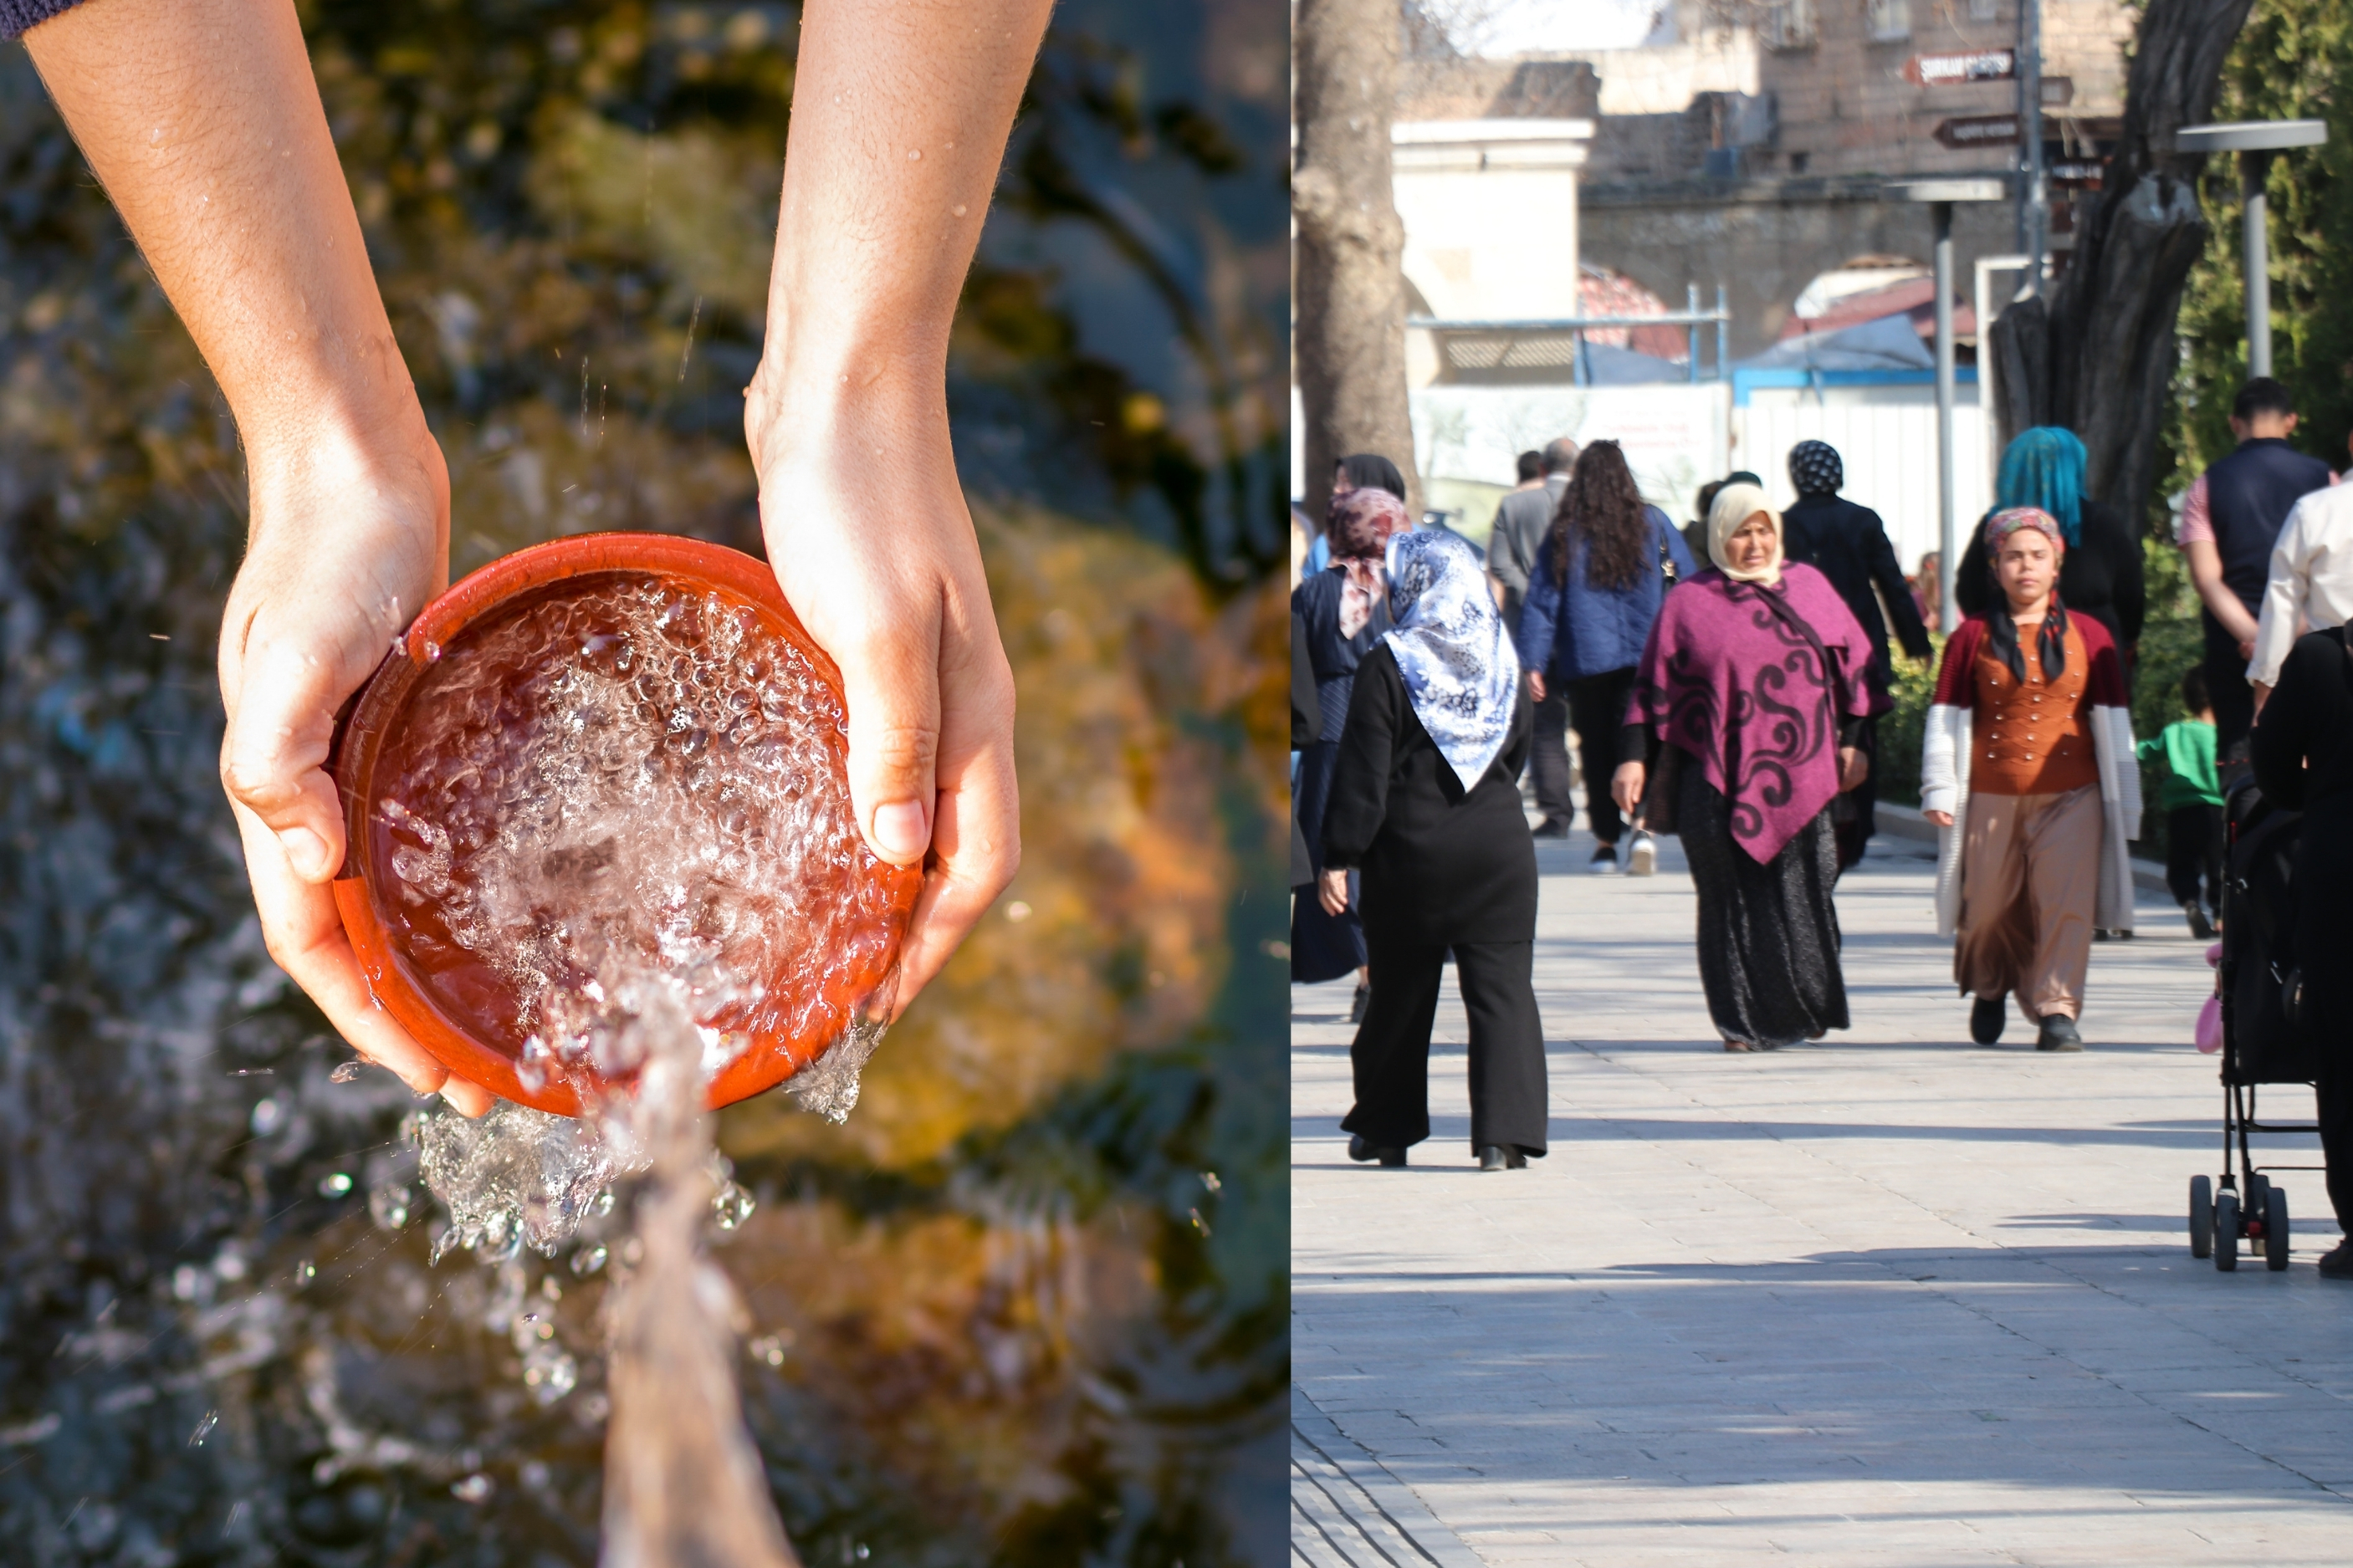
(2226, 1231)
(2275, 1231)
(2201, 1216)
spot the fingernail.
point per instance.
(306, 852)
(899, 830)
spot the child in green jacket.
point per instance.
(2192, 797)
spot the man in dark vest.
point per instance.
(2229, 522)
(1847, 543)
(1522, 520)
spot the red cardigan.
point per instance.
(1956, 677)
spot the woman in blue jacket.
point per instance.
(1600, 576)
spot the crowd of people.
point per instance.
(1724, 682)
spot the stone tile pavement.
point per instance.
(1888, 1299)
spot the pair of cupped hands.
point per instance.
(202, 121)
(879, 560)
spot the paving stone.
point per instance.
(1891, 1299)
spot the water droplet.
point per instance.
(346, 1072)
(1016, 911)
(914, 154)
(432, 651)
(305, 1271)
(269, 1116)
(475, 1488)
(203, 1429)
(335, 1186)
(1199, 1223)
(604, 1204)
(1209, 1179)
(771, 1348)
(959, 209)
(388, 1206)
(588, 1259)
(732, 1206)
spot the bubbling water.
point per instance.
(611, 784)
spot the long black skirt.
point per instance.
(1323, 947)
(1768, 935)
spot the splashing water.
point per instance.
(623, 826)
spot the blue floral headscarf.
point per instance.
(2043, 469)
(1460, 668)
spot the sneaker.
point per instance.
(1550, 827)
(2200, 926)
(1987, 1019)
(1642, 857)
(2337, 1263)
(1357, 1007)
(1604, 862)
(2058, 1034)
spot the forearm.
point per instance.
(900, 111)
(201, 119)
(2220, 602)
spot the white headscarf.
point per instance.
(1460, 668)
(1733, 505)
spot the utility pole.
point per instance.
(2033, 197)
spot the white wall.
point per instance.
(1886, 436)
(1490, 213)
(1673, 435)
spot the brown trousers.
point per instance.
(2030, 887)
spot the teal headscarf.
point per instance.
(2043, 469)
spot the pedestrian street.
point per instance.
(1890, 1298)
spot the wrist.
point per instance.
(875, 411)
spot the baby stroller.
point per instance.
(2259, 987)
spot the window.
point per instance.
(1890, 20)
(1789, 25)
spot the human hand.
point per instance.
(2246, 648)
(2263, 693)
(1853, 768)
(1938, 818)
(1331, 892)
(346, 547)
(1625, 786)
(880, 563)
(1537, 685)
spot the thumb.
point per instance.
(274, 756)
(893, 688)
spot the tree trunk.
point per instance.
(2098, 355)
(1349, 292)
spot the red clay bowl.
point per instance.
(456, 1014)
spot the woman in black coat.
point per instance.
(2101, 573)
(2301, 748)
(1341, 612)
(1425, 800)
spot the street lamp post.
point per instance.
(1941, 195)
(2254, 141)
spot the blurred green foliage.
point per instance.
(2293, 60)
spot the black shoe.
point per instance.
(1357, 1008)
(1360, 1152)
(2058, 1034)
(2200, 926)
(1604, 862)
(1989, 1018)
(1551, 828)
(1503, 1157)
(2337, 1263)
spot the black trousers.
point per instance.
(2336, 1087)
(1597, 706)
(1548, 756)
(1391, 1055)
(2193, 848)
(2227, 688)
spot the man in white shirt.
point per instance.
(2310, 584)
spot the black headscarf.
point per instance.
(1371, 471)
(1815, 468)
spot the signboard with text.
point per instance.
(1978, 131)
(1943, 71)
